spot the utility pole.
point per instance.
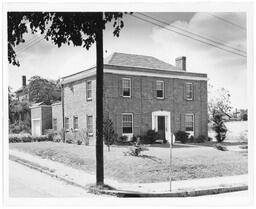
(170, 169)
(99, 103)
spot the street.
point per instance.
(26, 182)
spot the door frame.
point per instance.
(32, 126)
(167, 115)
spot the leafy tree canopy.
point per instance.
(43, 90)
(77, 28)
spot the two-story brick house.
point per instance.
(140, 93)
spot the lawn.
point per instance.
(188, 162)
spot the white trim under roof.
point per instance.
(92, 72)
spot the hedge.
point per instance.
(17, 138)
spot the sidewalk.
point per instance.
(79, 178)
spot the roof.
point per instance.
(121, 63)
(140, 61)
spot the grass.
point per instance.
(152, 166)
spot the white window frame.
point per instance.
(190, 84)
(88, 89)
(127, 134)
(190, 132)
(89, 133)
(160, 81)
(129, 79)
(67, 129)
(55, 125)
(75, 129)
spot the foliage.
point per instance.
(69, 138)
(57, 138)
(150, 137)
(219, 103)
(19, 127)
(17, 138)
(181, 136)
(43, 90)
(84, 136)
(18, 110)
(50, 133)
(219, 127)
(245, 117)
(135, 150)
(76, 28)
(109, 135)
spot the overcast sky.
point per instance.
(224, 69)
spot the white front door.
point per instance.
(36, 127)
(161, 121)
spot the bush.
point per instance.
(150, 137)
(57, 138)
(50, 133)
(79, 142)
(219, 127)
(84, 136)
(22, 126)
(135, 150)
(17, 138)
(181, 136)
(201, 139)
(245, 117)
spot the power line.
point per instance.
(29, 46)
(227, 21)
(148, 21)
(195, 34)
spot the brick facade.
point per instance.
(57, 115)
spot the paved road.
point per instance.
(26, 182)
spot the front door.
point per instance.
(161, 126)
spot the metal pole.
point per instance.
(170, 175)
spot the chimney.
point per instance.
(24, 81)
(181, 63)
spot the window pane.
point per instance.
(55, 124)
(89, 89)
(160, 89)
(127, 123)
(189, 122)
(75, 122)
(66, 123)
(126, 87)
(89, 124)
(189, 91)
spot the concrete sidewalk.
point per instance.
(79, 178)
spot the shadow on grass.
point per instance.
(153, 158)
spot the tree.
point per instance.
(79, 29)
(43, 90)
(108, 132)
(219, 103)
(219, 127)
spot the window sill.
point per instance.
(89, 99)
(160, 98)
(126, 96)
(189, 99)
(90, 134)
(75, 130)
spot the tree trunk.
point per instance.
(99, 105)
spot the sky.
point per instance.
(224, 69)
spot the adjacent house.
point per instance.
(22, 94)
(140, 93)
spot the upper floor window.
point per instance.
(189, 123)
(75, 123)
(66, 123)
(89, 90)
(189, 91)
(160, 89)
(127, 123)
(126, 87)
(55, 124)
(90, 124)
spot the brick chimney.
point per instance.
(24, 81)
(181, 63)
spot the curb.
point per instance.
(125, 193)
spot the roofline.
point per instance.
(78, 72)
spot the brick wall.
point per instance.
(76, 104)
(57, 114)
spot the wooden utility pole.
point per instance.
(99, 103)
(170, 174)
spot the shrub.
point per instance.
(221, 147)
(108, 132)
(79, 141)
(245, 117)
(42, 138)
(84, 136)
(191, 139)
(135, 150)
(219, 127)
(69, 138)
(181, 136)
(18, 127)
(201, 139)
(57, 138)
(16, 138)
(150, 137)
(50, 133)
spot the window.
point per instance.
(66, 124)
(189, 91)
(89, 90)
(160, 89)
(75, 123)
(55, 124)
(189, 122)
(89, 124)
(126, 87)
(127, 122)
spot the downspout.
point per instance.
(63, 118)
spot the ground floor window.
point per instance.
(127, 123)
(55, 124)
(89, 124)
(189, 122)
(75, 123)
(66, 123)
